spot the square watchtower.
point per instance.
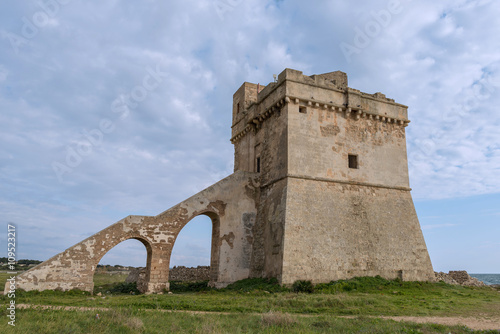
(334, 198)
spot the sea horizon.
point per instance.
(488, 279)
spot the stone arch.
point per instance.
(215, 247)
(231, 205)
(110, 245)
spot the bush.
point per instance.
(334, 287)
(50, 293)
(179, 286)
(373, 284)
(129, 288)
(256, 284)
(303, 286)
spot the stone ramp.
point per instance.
(230, 203)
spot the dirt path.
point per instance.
(476, 323)
(472, 323)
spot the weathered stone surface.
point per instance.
(177, 273)
(440, 276)
(320, 192)
(138, 276)
(185, 274)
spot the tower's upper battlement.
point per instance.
(316, 126)
(253, 103)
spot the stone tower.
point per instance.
(334, 195)
(320, 192)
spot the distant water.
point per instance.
(488, 279)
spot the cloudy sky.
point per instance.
(122, 107)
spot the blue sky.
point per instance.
(121, 107)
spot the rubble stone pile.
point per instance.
(458, 277)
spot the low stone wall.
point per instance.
(459, 277)
(138, 275)
(180, 273)
(185, 274)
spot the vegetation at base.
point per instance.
(366, 284)
(128, 288)
(131, 320)
(105, 283)
(255, 285)
(303, 286)
(246, 285)
(178, 286)
(52, 294)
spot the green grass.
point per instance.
(106, 283)
(128, 320)
(360, 296)
(178, 286)
(101, 279)
(3, 279)
(291, 312)
(104, 278)
(256, 284)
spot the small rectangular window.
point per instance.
(238, 108)
(303, 110)
(353, 161)
(257, 167)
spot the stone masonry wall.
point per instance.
(177, 273)
(338, 231)
(319, 217)
(186, 274)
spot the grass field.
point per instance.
(141, 321)
(257, 306)
(3, 278)
(103, 279)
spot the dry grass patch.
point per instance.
(278, 319)
(134, 323)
